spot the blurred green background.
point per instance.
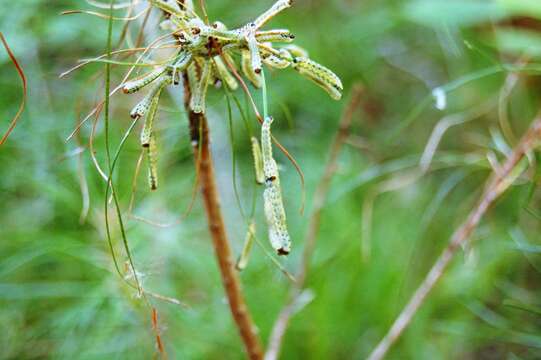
(61, 298)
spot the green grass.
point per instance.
(60, 296)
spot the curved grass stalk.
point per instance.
(91, 146)
(110, 186)
(107, 6)
(444, 124)
(104, 16)
(111, 166)
(116, 52)
(126, 63)
(417, 110)
(20, 71)
(233, 158)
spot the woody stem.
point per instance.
(201, 147)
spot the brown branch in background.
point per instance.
(23, 79)
(199, 133)
(496, 185)
(320, 196)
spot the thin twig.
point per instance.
(23, 100)
(496, 185)
(201, 147)
(320, 196)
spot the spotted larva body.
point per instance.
(271, 12)
(275, 61)
(146, 133)
(193, 76)
(296, 51)
(319, 74)
(255, 57)
(143, 106)
(279, 58)
(258, 161)
(270, 170)
(223, 73)
(276, 219)
(242, 262)
(246, 65)
(183, 60)
(136, 85)
(220, 26)
(199, 93)
(152, 153)
(218, 30)
(272, 196)
(278, 35)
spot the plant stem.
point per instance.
(499, 182)
(199, 133)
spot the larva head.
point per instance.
(283, 251)
(218, 25)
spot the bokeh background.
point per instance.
(388, 215)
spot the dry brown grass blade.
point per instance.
(496, 185)
(23, 101)
(157, 333)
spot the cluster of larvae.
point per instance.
(207, 53)
(266, 171)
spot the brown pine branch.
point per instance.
(199, 133)
(496, 185)
(320, 196)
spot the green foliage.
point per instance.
(60, 296)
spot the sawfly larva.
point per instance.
(276, 219)
(272, 196)
(197, 100)
(275, 61)
(136, 85)
(272, 12)
(152, 153)
(320, 75)
(143, 106)
(242, 261)
(246, 65)
(146, 133)
(255, 58)
(278, 35)
(223, 73)
(296, 50)
(258, 161)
